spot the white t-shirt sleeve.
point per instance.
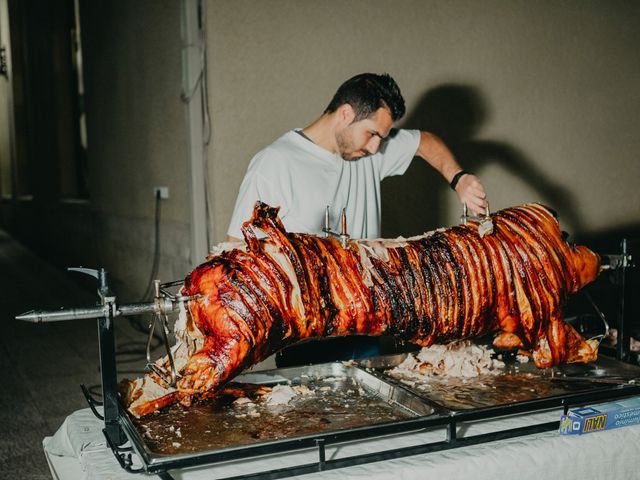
(398, 151)
(263, 183)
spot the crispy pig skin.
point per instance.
(441, 286)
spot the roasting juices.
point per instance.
(281, 288)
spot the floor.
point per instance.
(44, 364)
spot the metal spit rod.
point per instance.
(46, 316)
(613, 262)
(160, 306)
(163, 303)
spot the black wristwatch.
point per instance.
(456, 178)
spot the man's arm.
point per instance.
(469, 188)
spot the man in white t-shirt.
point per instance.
(339, 161)
(341, 158)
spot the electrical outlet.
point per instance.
(164, 192)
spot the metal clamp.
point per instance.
(615, 262)
(465, 214)
(163, 319)
(600, 337)
(343, 235)
(485, 223)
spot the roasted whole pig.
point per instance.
(444, 285)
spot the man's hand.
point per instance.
(471, 192)
(468, 188)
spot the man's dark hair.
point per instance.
(368, 92)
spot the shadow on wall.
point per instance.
(414, 203)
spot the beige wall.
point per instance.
(539, 98)
(136, 136)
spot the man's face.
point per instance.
(362, 138)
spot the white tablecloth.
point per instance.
(78, 451)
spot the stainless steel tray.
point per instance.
(516, 383)
(344, 398)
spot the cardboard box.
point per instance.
(603, 416)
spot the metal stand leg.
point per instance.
(321, 454)
(109, 380)
(623, 348)
(452, 434)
